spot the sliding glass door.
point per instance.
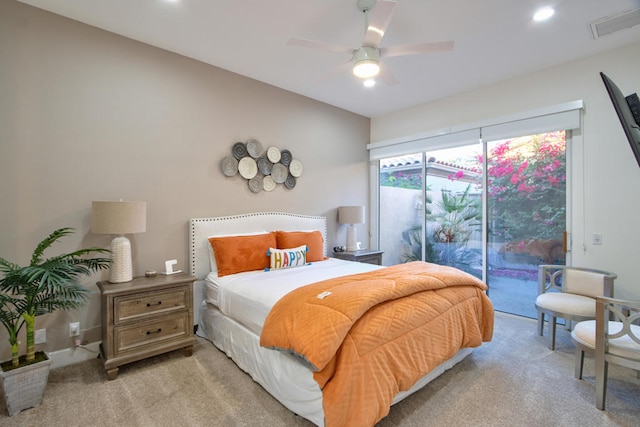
(526, 216)
(401, 208)
(431, 208)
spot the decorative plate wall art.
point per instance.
(262, 169)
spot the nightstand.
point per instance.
(145, 317)
(370, 256)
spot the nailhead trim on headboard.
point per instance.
(202, 228)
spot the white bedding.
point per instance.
(247, 297)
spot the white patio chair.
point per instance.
(569, 293)
(616, 341)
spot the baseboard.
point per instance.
(70, 356)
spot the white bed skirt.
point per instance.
(280, 374)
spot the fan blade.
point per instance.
(416, 49)
(328, 75)
(319, 45)
(379, 20)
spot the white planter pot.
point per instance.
(24, 387)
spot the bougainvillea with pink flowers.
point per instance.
(527, 187)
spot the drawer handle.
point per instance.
(154, 332)
(158, 303)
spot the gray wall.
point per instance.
(88, 115)
(604, 178)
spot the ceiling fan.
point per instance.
(366, 58)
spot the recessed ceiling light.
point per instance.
(369, 83)
(543, 14)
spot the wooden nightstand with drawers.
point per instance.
(145, 317)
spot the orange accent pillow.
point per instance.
(313, 240)
(235, 254)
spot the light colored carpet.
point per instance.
(515, 380)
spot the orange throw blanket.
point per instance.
(368, 336)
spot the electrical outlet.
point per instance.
(597, 238)
(74, 329)
(40, 336)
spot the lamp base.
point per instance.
(352, 238)
(120, 270)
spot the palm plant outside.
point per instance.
(454, 217)
(43, 286)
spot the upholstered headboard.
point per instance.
(200, 229)
(203, 228)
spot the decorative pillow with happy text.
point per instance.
(287, 258)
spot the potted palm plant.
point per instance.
(43, 286)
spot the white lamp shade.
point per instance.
(351, 214)
(111, 217)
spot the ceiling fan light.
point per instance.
(366, 68)
(543, 14)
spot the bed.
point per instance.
(243, 313)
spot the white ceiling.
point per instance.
(494, 40)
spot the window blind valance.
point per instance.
(448, 140)
(561, 117)
(566, 120)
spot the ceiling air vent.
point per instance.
(612, 24)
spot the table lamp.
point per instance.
(351, 215)
(111, 217)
